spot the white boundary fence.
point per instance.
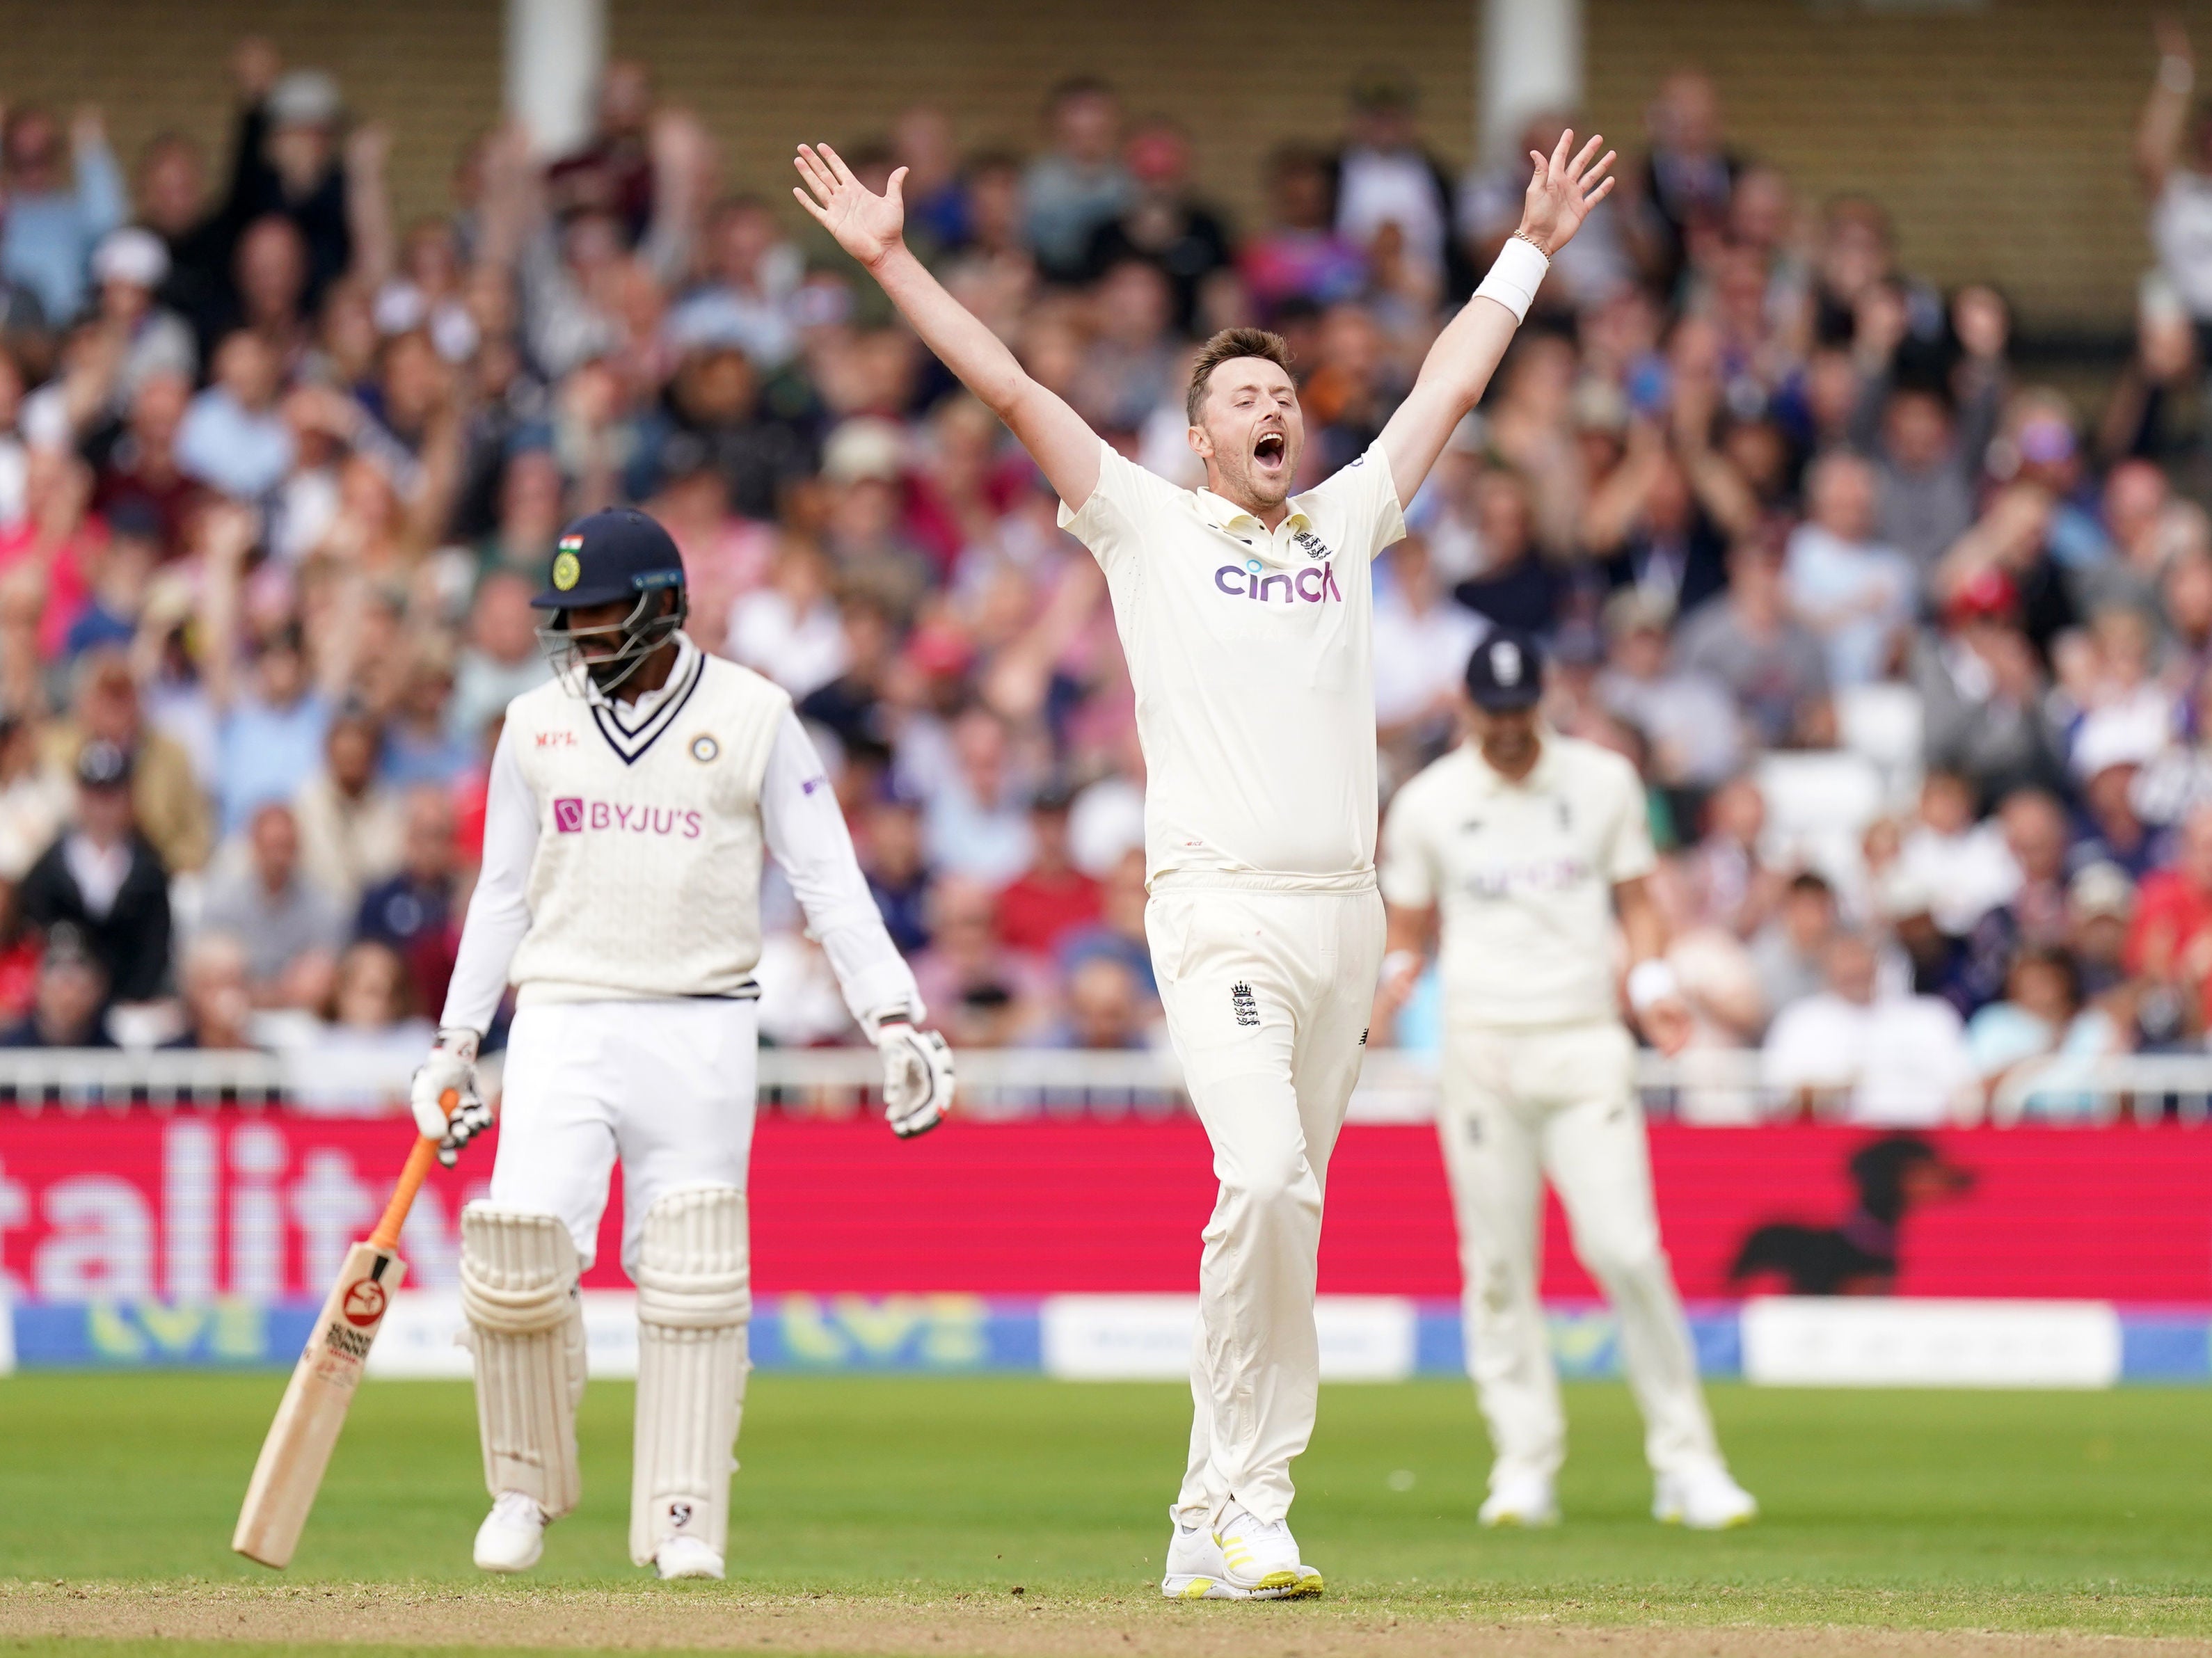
(1718, 1086)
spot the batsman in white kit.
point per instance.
(631, 799)
(1524, 845)
(1245, 614)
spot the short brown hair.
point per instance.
(1232, 343)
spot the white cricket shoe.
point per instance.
(1198, 1566)
(686, 1556)
(1520, 1499)
(1703, 1498)
(1196, 1571)
(1239, 1557)
(513, 1535)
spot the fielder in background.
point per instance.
(631, 799)
(1527, 844)
(1244, 613)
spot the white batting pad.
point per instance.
(526, 1329)
(694, 1300)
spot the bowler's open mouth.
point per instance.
(1270, 451)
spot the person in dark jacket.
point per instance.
(65, 1011)
(103, 878)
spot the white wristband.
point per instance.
(1651, 981)
(1401, 967)
(1513, 278)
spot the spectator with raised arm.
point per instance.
(271, 717)
(58, 206)
(2173, 160)
(292, 158)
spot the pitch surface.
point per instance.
(1004, 1515)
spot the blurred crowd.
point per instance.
(1909, 648)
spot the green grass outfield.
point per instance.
(2088, 1512)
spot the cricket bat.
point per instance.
(298, 1450)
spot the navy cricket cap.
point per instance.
(1506, 671)
(617, 554)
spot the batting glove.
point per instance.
(448, 1106)
(917, 1076)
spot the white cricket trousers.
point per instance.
(1520, 1105)
(667, 1086)
(1267, 986)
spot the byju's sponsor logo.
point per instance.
(572, 816)
(1315, 585)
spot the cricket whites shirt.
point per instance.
(1251, 653)
(1522, 876)
(623, 849)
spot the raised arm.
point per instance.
(1458, 367)
(870, 227)
(2165, 118)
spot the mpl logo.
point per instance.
(573, 815)
(1315, 585)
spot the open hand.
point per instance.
(866, 226)
(679, 143)
(2172, 35)
(255, 64)
(1563, 191)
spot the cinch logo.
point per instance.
(1314, 585)
(573, 817)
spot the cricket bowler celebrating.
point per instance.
(1528, 843)
(1244, 613)
(631, 798)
